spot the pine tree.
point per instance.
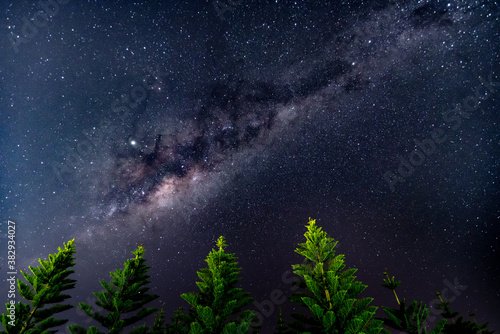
(331, 292)
(409, 319)
(281, 327)
(219, 299)
(159, 326)
(44, 287)
(125, 294)
(180, 322)
(459, 325)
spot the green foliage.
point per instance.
(219, 298)
(391, 284)
(330, 291)
(409, 319)
(180, 322)
(159, 324)
(281, 327)
(459, 325)
(126, 293)
(327, 290)
(44, 288)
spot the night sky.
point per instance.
(171, 123)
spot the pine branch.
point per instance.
(391, 284)
(126, 293)
(219, 298)
(458, 325)
(330, 291)
(44, 287)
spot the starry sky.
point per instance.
(169, 124)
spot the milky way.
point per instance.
(161, 123)
(239, 118)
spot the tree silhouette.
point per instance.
(409, 319)
(459, 325)
(281, 327)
